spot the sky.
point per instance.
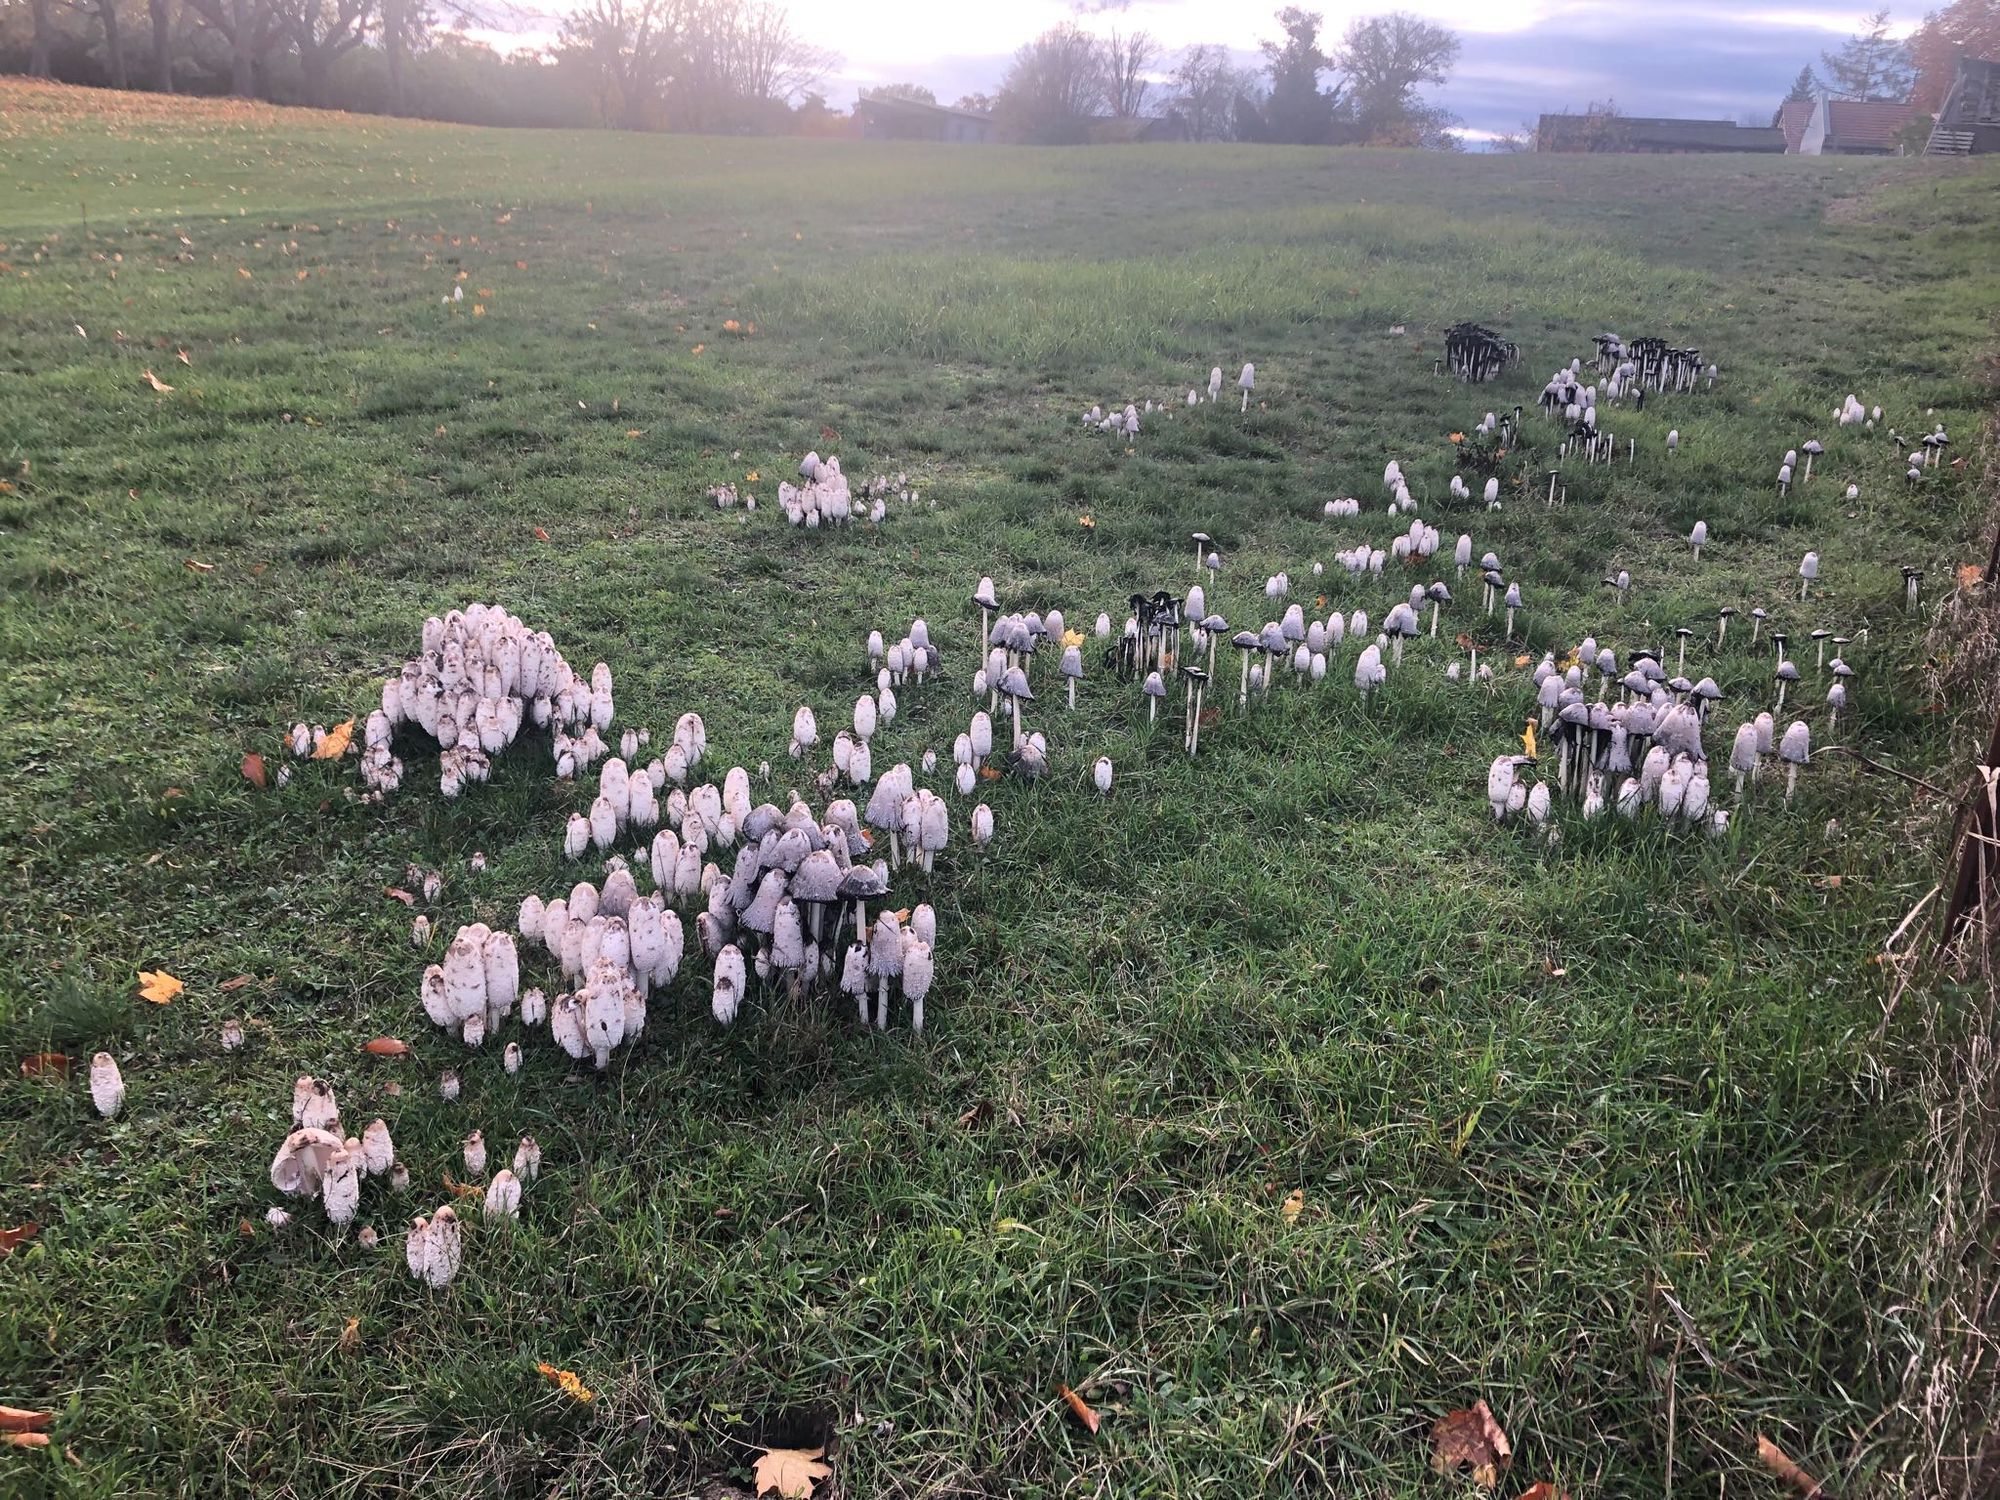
(1709, 59)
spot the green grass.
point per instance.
(1525, 1090)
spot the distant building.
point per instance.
(1793, 117)
(1855, 127)
(1653, 137)
(908, 120)
(1968, 122)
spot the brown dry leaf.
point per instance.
(350, 1336)
(1785, 1471)
(245, 1229)
(25, 1439)
(20, 1234)
(1969, 576)
(45, 1062)
(397, 893)
(158, 384)
(237, 983)
(1541, 1489)
(541, 535)
(386, 1046)
(183, 358)
(1079, 1408)
(16, 1419)
(1471, 1439)
(1294, 1205)
(157, 986)
(253, 770)
(195, 565)
(790, 1473)
(336, 742)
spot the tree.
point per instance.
(1204, 88)
(915, 93)
(978, 104)
(1298, 112)
(1969, 28)
(1870, 65)
(247, 28)
(1385, 58)
(1052, 88)
(41, 39)
(620, 48)
(1126, 59)
(160, 13)
(323, 32)
(1805, 86)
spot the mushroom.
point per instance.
(340, 1188)
(1247, 382)
(917, 969)
(1808, 571)
(885, 961)
(434, 1248)
(1698, 538)
(1513, 603)
(503, 1197)
(1072, 668)
(1743, 753)
(1155, 689)
(730, 980)
(107, 1086)
(1795, 749)
(301, 1163)
(1812, 450)
(1786, 674)
(982, 826)
(475, 1154)
(528, 1159)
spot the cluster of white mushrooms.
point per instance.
(317, 1160)
(825, 499)
(481, 678)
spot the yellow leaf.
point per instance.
(157, 384)
(1071, 638)
(350, 1336)
(335, 744)
(791, 1472)
(751, 477)
(158, 986)
(565, 1380)
(1295, 1202)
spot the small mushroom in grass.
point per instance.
(1758, 616)
(1698, 538)
(528, 1159)
(1673, 442)
(1795, 750)
(885, 961)
(510, 1057)
(1513, 604)
(1014, 687)
(232, 1034)
(475, 1154)
(1820, 636)
(982, 826)
(1854, 492)
(1722, 618)
(1215, 383)
(1836, 700)
(1247, 382)
(730, 981)
(1778, 641)
(1912, 584)
(340, 1188)
(1743, 755)
(1813, 450)
(1439, 596)
(448, 1085)
(434, 1248)
(1072, 669)
(1808, 571)
(107, 1086)
(503, 1196)
(805, 731)
(367, 1238)
(1155, 689)
(302, 1159)
(917, 972)
(1786, 675)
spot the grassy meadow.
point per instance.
(1534, 1097)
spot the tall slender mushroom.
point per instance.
(1808, 571)
(1795, 750)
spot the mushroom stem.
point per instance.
(985, 631)
(1436, 605)
(1152, 712)
(1072, 692)
(895, 851)
(1781, 696)
(1194, 730)
(1243, 684)
(1804, 584)
(882, 1003)
(1739, 788)
(1510, 621)
(1681, 661)
(1791, 781)
(1017, 723)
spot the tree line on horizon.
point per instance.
(735, 66)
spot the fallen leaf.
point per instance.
(1784, 1470)
(245, 1229)
(386, 1046)
(397, 893)
(1969, 576)
(336, 742)
(1294, 1205)
(566, 1382)
(44, 1062)
(791, 1472)
(989, 773)
(253, 770)
(1079, 1408)
(158, 384)
(633, 432)
(1541, 1489)
(1520, 661)
(20, 1234)
(1471, 1439)
(15, 1419)
(183, 358)
(196, 565)
(237, 983)
(157, 986)
(541, 535)
(25, 1439)
(350, 1336)
(698, 348)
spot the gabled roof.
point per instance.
(1871, 124)
(890, 104)
(1793, 117)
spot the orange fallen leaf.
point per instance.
(1785, 1470)
(1541, 1489)
(195, 565)
(730, 325)
(253, 770)
(633, 432)
(350, 1336)
(697, 348)
(241, 271)
(520, 265)
(1471, 1439)
(16, 1419)
(541, 535)
(1294, 1205)
(1520, 661)
(157, 384)
(183, 358)
(1079, 1408)
(245, 1229)
(20, 1234)
(39, 1063)
(790, 1472)
(989, 773)
(566, 1381)
(386, 1046)
(157, 986)
(233, 984)
(303, 274)
(336, 742)
(25, 1439)
(397, 893)
(1969, 576)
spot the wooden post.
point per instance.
(1973, 837)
